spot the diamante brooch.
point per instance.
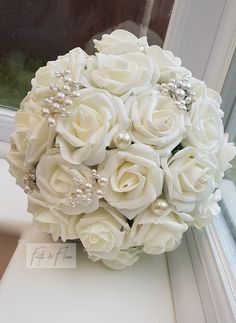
(65, 92)
(180, 91)
(85, 191)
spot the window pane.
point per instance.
(229, 106)
(228, 187)
(33, 32)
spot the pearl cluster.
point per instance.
(86, 191)
(180, 92)
(62, 100)
(29, 181)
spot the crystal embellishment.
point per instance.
(86, 191)
(180, 91)
(65, 91)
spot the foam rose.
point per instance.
(135, 178)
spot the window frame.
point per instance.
(209, 258)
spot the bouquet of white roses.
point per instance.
(123, 150)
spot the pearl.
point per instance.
(186, 77)
(102, 181)
(89, 194)
(179, 83)
(80, 181)
(73, 204)
(25, 179)
(76, 94)
(165, 91)
(159, 205)
(188, 100)
(27, 189)
(122, 140)
(60, 96)
(68, 102)
(89, 200)
(66, 88)
(79, 191)
(172, 87)
(100, 193)
(67, 79)
(93, 173)
(177, 103)
(65, 114)
(182, 107)
(55, 107)
(51, 122)
(164, 86)
(88, 187)
(45, 112)
(84, 198)
(179, 93)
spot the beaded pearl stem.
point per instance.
(86, 191)
(65, 92)
(29, 182)
(180, 91)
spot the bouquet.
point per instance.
(123, 150)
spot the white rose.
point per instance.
(156, 121)
(32, 135)
(74, 61)
(134, 178)
(31, 139)
(189, 177)
(206, 210)
(158, 231)
(203, 92)
(120, 42)
(125, 258)
(102, 232)
(127, 73)
(53, 221)
(85, 134)
(226, 153)
(206, 130)
(55, 182)
(166, 62)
